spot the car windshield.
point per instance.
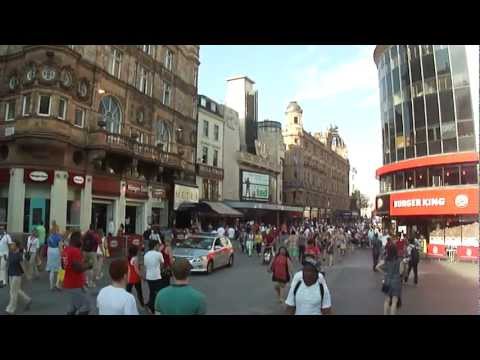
(204, 243)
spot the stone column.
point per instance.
(119, 207)
(16, 201)
(58, 200)
(86, 204)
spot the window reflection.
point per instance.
(452, 175)
(468, 174)
(421, 177)
(409, 179)
(435, 176)
(399, 181)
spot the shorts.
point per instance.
(79, 301)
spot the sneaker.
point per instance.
(28, 305)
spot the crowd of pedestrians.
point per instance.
(74, 262)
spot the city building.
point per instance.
(253, 158)
(316, 171)
(209, 149)
(97, 134)
(429, 177)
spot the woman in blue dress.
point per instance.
(54, 243)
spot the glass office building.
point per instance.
(428, 136)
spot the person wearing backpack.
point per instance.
(89, 248)
(309, 294)
(413, 260)
(281, 269)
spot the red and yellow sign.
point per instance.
(435, 202)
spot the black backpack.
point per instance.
(297, 285)
(414, 255)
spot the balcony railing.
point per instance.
(208, 171)
(125, 143)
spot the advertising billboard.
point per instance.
(255, 186)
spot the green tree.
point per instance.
(361, 201)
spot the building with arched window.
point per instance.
(96, 134)
(428, 181)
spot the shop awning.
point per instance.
(206, 207)
(222, 209)
(187, 206)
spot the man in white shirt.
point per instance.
(114, 299)
(5, 240)
(231, 233)
(309, 294)
(153, 261)
(221, 231)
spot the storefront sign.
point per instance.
(255, 186)
(76, 180)
(185, 194)
(435, 202)
(136, 190)
(382, 205)
(38, 176)
(159, 193)
(105, 186)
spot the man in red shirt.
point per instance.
(74, 280)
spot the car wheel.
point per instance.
(230, 261)
(210, 267)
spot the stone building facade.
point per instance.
(210, 149)
(316, 168)
(100, 134)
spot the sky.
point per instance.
(333, 84)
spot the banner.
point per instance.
(255, 186)
(438, 251)
(468, 253)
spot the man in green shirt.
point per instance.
(41, 240)
(180, 298)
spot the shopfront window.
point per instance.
(421, 177)
(156, 215)
(73, 214)
(436, 176)
(468, 174)
(452, 175)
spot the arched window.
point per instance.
(111, 114)
(162, 135)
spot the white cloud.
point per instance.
(315, 83)
(370, 101)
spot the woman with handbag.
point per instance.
(393, 268)
(281, 270)
(53, 256)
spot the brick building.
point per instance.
(101, 134)
(316, 169)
